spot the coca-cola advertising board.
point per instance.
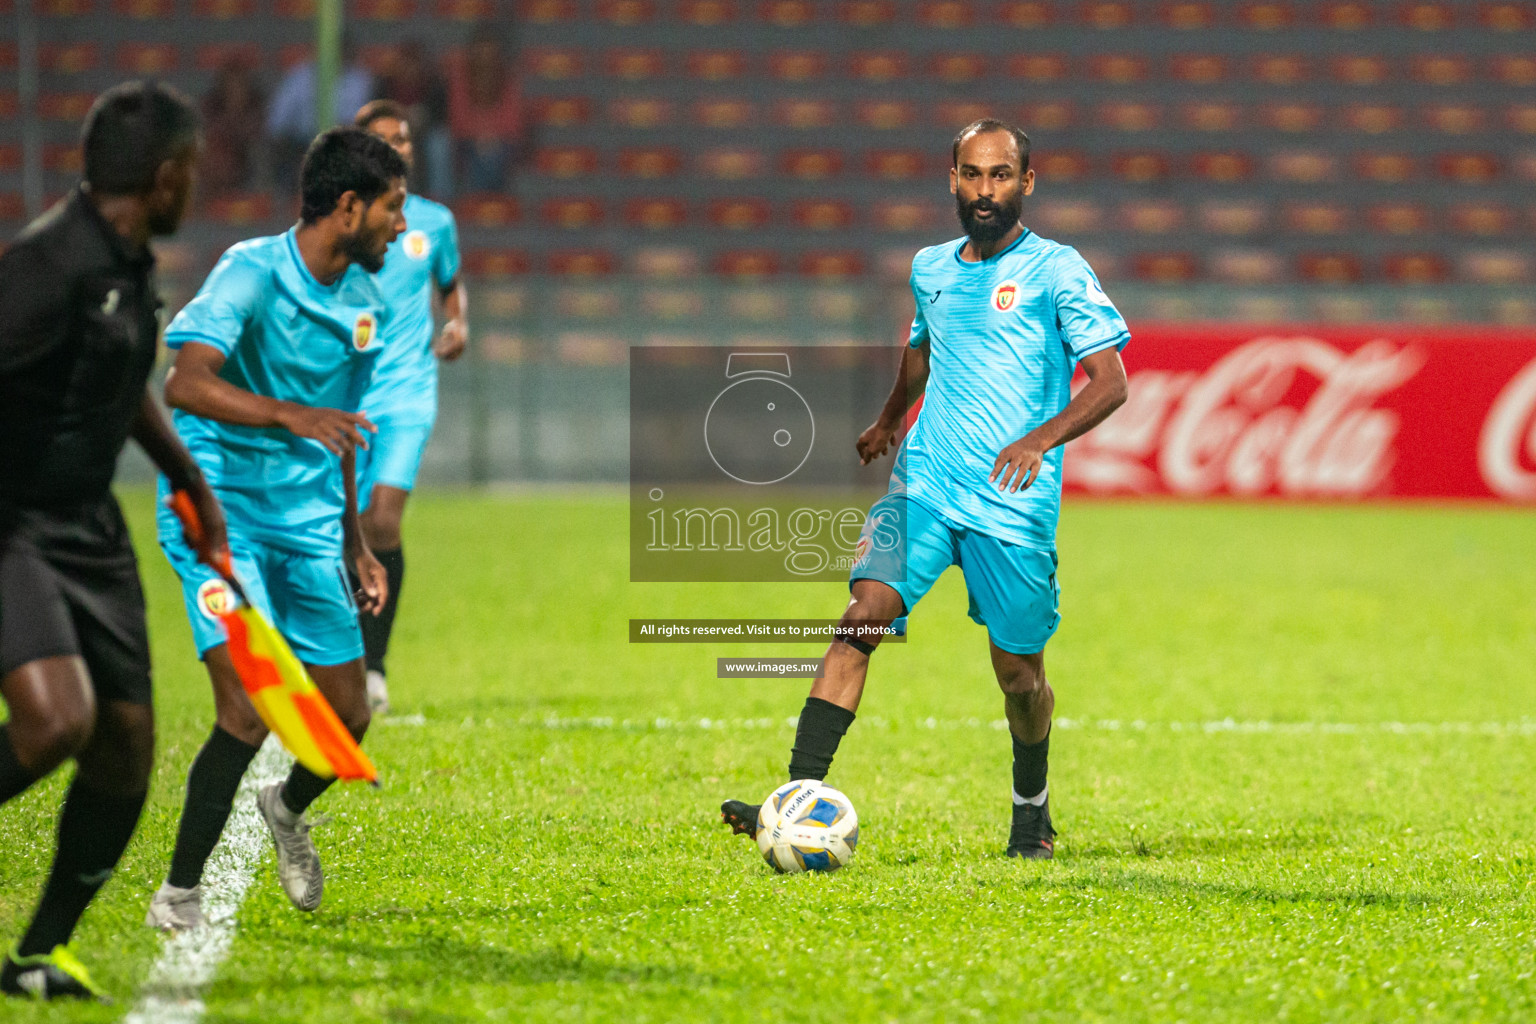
(1319, 413)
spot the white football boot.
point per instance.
(298, 865)
(378, 692)
(176, 910)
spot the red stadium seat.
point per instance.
(640, 112)
(867, 13)
(805, 114)
(1038, 67)
(10, 156)
(1266, 16)
(212, 56)
(1385, 168)
(1281, 69)
(650, 163)
(634, 65)
(1150, 217)
(489, 210)
(1348, 16)
(786, 13)
(562, 111)
(1118, 68)
(902, 216)
(69, 58)
(62, 158)
(383, 10)
(1415, 268)
(566, 161)
(831, 265)
(571, 214)
(956, 68)
(897, 164)
(1329, 268)
(1240, 217)
(7, 56)
(472, 11)
(1140, 166)
(1048, 115)
(1247, 266)
(8, 104)
(1303, 166)
(811, 164)
(747, 263)
(553, 65)
(707, 13)
(1060, 165)
(1106, 14)
(732, 164)
(1222, 167)
(1468, 168)
(1024, 14)
(1360, 69)
(1481, 219)
(377, 58)
(1212, 116)
(1507, 17)
(885, 114)
(496, 263)
(1166, 267)
(822, 214)
(1370, 118)
(1426, 17)
(12, 208)
(952, 115)
(797, 65)
(1070, 217)
(739, 214)
(581, 263)
(1398, 218)
(624, 13)
(945, 14)
(1187, 16)
(294, 54)
(717, 65)
(1518, 69)
(242, 210)
(883, 66)
(1522, 118)
(65, 106)
(147, 58)
(298, 10)
(544, 12)
(1129, 117)
(724, 113)
(1442, 69)
(1456, 118)
(667, 261)
(1199, 68)
(1498, 266)
(68, 8)
(655, 214)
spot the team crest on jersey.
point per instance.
(861, 550)
(416, 245)
(364, 329)
(214, 598)
(1005, 296)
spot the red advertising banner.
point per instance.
(1319, 412)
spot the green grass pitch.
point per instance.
(1356, 844)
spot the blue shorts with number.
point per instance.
(393, 455)
(1013, 590)
(307, 597)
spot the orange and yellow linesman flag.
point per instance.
(275, 680)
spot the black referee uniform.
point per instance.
(78, 333)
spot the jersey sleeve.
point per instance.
(35, 309)
(445, 258)
(919, 332)
(221, 309)
(1088, 321)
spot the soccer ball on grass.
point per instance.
(807, 826)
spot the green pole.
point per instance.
(328, 21)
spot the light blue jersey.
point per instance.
(1004, 337)
(423, 260)
(285, 336)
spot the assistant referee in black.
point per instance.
(79, 326)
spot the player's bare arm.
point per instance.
(171, 457)
(911, 381)
(1104, 393)
(370, 573)
(454, 336)
(195, 386)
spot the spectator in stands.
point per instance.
(234, 111)
(291, 120)
(485, 111)
(412, 81)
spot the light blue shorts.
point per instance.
(393, 456)
(1013, 590)
(307, 597)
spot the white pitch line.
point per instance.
(174, 992)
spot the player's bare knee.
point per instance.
(357, 716)
(243, 723)
(48, 742)
(1021, 679)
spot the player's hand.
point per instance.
(374, 581)
(876, 441)
(1020, 462)
(333, 428)
(212, 542)
(451, 340)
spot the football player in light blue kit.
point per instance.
(421, 264)
(1003, 319)
(273, 357)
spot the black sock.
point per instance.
(376, 628)
(302, 788)
(1029, 765)
(94, 830)
(821, 728)
(14, 778)
(211, 786)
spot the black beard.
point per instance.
(1004, 217)
(359, 249)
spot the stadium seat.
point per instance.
(1317, 218)
(1211, 116)
(1037, 67)
(624, 13)
(1281, 69)
(66, 8)
(654, 162)
(62, 158)
(1223, 167)
(1496, 266)
(746, 263)
(724, 113)
(897, 164)
(68, 58)
(1024, 14)
(10, 156)
(1166, 267)
(1455, 118)
(147, 58)
(956, 68)
(496, 263)
(544, 12)
(655, 214)
(1199, 68)
(1441, 69)
(885, 115)
(945, 15)
(717, 65)
(1139, 166)
(822, 214)
(706, 13)
(64, 106)
(297, 10)
(571, 214)
(1062, 165)
(1267, 16)
(1048, 115)
(1233, 217)
(241, 210)
(562, 111)
(667, 261)
(1507, 17)
(382, 10)
(640, 112)
(1247, 266)
(634, 65)
(1481, 219)
(797, 65)
(473, 11)
(732, 163)
(1360, 69)
(1128, 117)
(12, 208)
(786, 13)
(1468, 168)
(565, 161)
(1329, 268)
(1426, 17)
(581, 263)
(1345, 16)
(1069, 217)
(952, 115)
(490, 210)
(1385, 168)
(1521, 118)
(212, 56)
(805, 115)
(866, 13)
(811, 164)
(1303, 166)
(1523, 168)
(1399, 218)
(902, 216)
(1517, 69)
(1106, 15)
(1150, 217)
(1118, 68)
(8, 104)
(831, 265)
(553, 65)
(739, 214)
(1415, 268)
(1186, 16)
(1370, 118)
(294, 54)
(878, 67)
(7, 56)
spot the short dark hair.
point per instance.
(992, 124)
(342, 160)
(375, 109)
(130, 131)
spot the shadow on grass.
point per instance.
(1176, 845)
(1148, 883)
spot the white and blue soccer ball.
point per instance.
(807, 826)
